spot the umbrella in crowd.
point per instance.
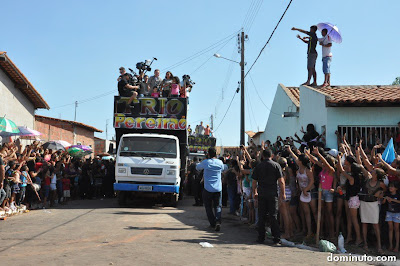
(55, 145)
(23, 131)
(77, 152)
(64, 143)
(333, 31)
(107, 158)
(7, 125)
(82, 147)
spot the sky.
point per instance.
(71, 51)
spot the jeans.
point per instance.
(268, 205)
(196, 191)
(2, 195)
(21, 196)
(232, 194)
(213, 204)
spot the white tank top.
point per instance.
(302, 178)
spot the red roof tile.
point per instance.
(21, 82)
(368, 95)
(293, 93)
(41, 117)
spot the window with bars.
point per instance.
(369, 134)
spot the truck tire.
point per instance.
(122, 198)
(173, 201)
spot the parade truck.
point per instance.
(152, 148)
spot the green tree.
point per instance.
(396, 81)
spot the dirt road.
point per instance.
(98, 232)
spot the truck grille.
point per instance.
(145, 171)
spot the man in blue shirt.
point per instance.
(212, 193)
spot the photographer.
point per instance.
(125, 89)
(122, 71)
(186, 86)
(156, 80)
(144, 86)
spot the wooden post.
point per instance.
(319, 214)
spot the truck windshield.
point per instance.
(148, 147)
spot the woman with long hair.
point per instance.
(353, 172)
(166, 84)
(305, 180)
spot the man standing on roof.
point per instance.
(326, 44)
(312, 54)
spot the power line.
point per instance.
(212, 55)
(248, 113)
(254, 85)
(249, 11)
(205, 50)
(257, 9)
(87, 100)
(251, 107)
(269, 38)
(223, 118)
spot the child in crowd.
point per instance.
(22, 186)
(393, 214)
(155, 93)
(175, 87)
(66, 184)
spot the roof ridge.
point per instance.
(70, 121)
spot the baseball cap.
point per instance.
(333, 152)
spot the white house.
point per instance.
(255, 136)
(18, 98)
(358, 111)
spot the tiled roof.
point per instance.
(21, 82)
(252, 134)
(41, 118)
(368, 95)
(293, 93)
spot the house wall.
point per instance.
(58, 130)
(14, 104)
(276, 124)
(312, 110)
(359, 116)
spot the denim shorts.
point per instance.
(314, 193)
(311, 60)
(327, 196)
(392, 217)
(326, 64)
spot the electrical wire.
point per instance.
(200, 53)
(86, 100)
(254, 85)
(253, 18)
(223, 118)
(212, 55)
(272, 34)
(250, 105)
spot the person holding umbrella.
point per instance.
(330, 34)
(312, 54)
(326, 44)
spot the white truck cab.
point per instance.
(148, 163)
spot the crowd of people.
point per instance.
(134, 86)
(281, 184)
(200, 130)
(39, 178)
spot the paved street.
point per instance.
(98, 232)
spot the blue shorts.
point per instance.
(314, 194)
(327, 196)
(392, 217)
(46, 189)
(326, 64)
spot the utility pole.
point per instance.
(212, 122)
(242, 122)
(76, 106)
(106, 129)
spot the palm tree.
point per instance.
(396, 81)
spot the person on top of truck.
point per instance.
(125, 89)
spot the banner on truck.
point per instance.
(150, 113)
(201, 143)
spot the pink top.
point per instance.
(155, 94)
(175, 89)
(326, 179)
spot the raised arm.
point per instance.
(302, 31)
(391, 170)
(313, 159)
(341, 171)
(323, 160)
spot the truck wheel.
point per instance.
(122, 198)
(174, 200)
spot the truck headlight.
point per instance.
(122, 170)
(171, 172)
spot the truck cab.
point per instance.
(152, 148)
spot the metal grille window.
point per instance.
(369, 134)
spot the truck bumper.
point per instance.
(155, 188)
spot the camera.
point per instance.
(187, 81)
(143, 66)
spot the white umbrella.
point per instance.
(333, 31)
